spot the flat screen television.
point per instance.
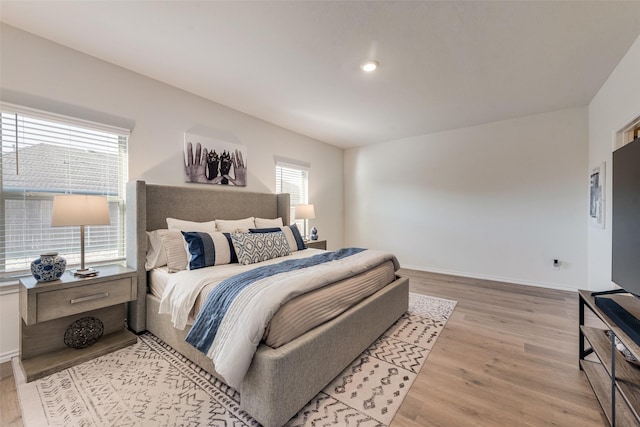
(625, 242)
(625, 255)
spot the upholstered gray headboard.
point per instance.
(148, 206)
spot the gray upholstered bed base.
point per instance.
(279, 381)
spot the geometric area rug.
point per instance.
(150, 384)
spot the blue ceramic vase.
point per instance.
(48, 267)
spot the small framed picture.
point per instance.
(596, 195)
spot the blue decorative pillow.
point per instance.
(290, 232)
(208, 249)
(257, 247)
(234, 257)
(265, 230)
(298, 237)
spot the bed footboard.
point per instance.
(281, 381)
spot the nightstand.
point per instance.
(48, 309)
(316, 244)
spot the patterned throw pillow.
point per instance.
(257, 247)
(208, 249)
(290, 232)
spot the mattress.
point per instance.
(306, 311)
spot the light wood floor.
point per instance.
(9, 408)
(507, 357)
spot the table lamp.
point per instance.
(82, 210)
(305, 212)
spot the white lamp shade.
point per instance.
(80, 209)
(305, 212)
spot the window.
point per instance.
(293, 179)
(43, 155)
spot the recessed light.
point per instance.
(369, 66)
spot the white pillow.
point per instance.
(156, 255)
(232, 225)
(268, 223)
(174, 246)
(182, 225)
(166, 247)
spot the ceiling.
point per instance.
(443, 65)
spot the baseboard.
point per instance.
(492, 278)
(6, 357)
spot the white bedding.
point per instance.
(244, 321)
(303, 313)
(182, 288)
(158, 278)
(244, 325)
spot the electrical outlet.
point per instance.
(556, 264)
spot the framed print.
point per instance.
(211, 161)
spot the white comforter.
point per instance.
(244, 324)
(183, 287)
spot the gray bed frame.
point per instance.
(280, 381)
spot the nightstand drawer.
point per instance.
(65, 302)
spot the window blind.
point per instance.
(46, 154)
(293, 179)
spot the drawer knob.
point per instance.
(89, 298)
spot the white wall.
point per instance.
(498, 201)
(614, 106)
(41, 74)
(46, 75)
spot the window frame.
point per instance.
(304, 169)
(120, 143)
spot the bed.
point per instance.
(279, 381)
